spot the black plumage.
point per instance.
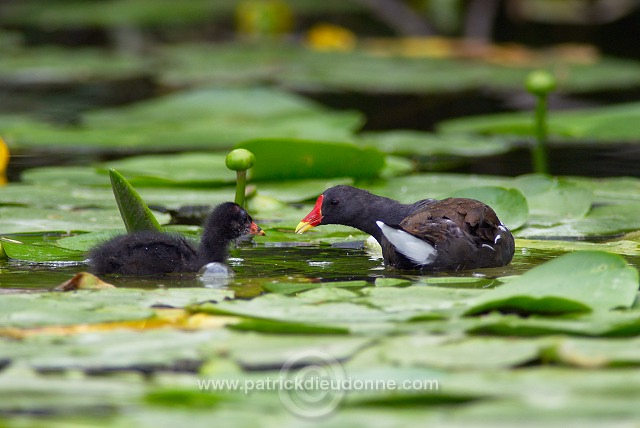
(437, 235)
(153, 253)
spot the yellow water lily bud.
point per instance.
(4, 161)
(328, 37)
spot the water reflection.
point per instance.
(255, 265)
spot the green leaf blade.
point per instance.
(135, 213)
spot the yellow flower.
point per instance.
(327, 37)
(4, 161)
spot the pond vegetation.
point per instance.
(549, 338)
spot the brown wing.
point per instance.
(440, 219)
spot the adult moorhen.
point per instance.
(435, 235)
(153, 253)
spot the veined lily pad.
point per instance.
(554, 199)
(577, 282)
(510, 204)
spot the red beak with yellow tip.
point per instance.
(313, 218)
(256, 230)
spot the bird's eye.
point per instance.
(335, 202)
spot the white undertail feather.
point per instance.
(416, 250)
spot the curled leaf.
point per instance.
(83, 281)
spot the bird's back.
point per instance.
(466, 234)
(144, 253)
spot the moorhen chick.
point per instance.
(435, 235)
(153, 253)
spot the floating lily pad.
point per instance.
(86, 307)
(605, 324)
(592, 352)
(610, 190)
(624, 247)
(577, 282)
(286, 159)
(147, 13)
(437, 352)
(22, 219)
(184, 169)
(380, 70)
(282, 308)
(206, 119)
(69, 175)
(419, 300)
(421, 186)
(510, 204)
(39, 252)
(554, 199)
(605, 221)
(617, 123)
(414, 143)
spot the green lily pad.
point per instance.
(610, 190)
(285, 159)
(298, 190)
(184, 169)
(59, 196)
(23, 219)
(617, 123)
(510, 204)
(593, 324)
(69, 175)
(624, 247)
(283, 308)
(39, 252)
(554, 199)
(604, 221)
(419, 301)
(87, 307)
(464, 354)
(415, 143)
(593, 352)
(205, 119)
(577, 282)
(378, 70)
(421, 186)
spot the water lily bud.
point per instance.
(240, 159)
(4, 161)
(540, 83)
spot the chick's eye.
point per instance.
(335, 202)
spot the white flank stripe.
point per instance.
(416, 250)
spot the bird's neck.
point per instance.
(378, 208)
(213, 246)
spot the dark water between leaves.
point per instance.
(259, 267)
